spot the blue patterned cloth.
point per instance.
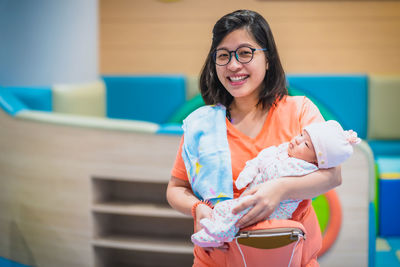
(206, 154)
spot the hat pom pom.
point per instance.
(351, 137)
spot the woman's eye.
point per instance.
(244, 53)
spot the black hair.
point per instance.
(274, 84)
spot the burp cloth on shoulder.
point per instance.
(205, 152)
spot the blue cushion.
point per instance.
(9, 263)
(170, 128)
(385, 148)
(345, 96)
(10, 103)
(389, 195)
(37, 98)
(147, 98)
(388, 164)
(389, 208)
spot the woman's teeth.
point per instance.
(237, 79)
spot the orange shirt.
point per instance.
(283, 122)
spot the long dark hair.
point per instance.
(212, 91)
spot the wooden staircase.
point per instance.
(134, 225)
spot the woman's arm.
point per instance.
(313, 184)
(180, 195)
(267, 196)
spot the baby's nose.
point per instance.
(297, 140)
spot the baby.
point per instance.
(320, 145)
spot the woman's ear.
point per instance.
(267, 65)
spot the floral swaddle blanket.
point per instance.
(271, 163)
(206, 155)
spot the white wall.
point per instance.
(43, 42)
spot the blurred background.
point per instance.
(92, 96)
(83, 39)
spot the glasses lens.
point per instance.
(244, 54)
(222, 57)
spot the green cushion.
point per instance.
(186, 109)
(321, 207)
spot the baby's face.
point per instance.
(301, 147)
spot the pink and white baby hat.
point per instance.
(332, 144)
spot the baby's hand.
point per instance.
(245, 177)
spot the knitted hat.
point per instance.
(332, 144)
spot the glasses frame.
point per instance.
(236, 54)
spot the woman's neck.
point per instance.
(241, 108)
(247, 117)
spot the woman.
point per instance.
(243, 73)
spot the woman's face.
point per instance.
(239, 79)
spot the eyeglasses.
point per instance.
(243, 54)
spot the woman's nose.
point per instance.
(234, 64)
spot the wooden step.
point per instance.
(138, 209)
(121, 190)
(144, 244)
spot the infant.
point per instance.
(320, 145)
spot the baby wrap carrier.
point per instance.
(207, 159)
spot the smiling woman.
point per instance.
(249, 92)
(245, 74)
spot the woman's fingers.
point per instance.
(264, 200)
(250, 201)
(224, 247)
(208, 250)
(252, 217)
(202, 211)
(250, 191)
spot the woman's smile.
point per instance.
(237, 79)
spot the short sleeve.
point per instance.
(179, 169)
(309, 113)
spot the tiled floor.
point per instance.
(387, 252)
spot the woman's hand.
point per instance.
(264, 198)
(204, 211)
